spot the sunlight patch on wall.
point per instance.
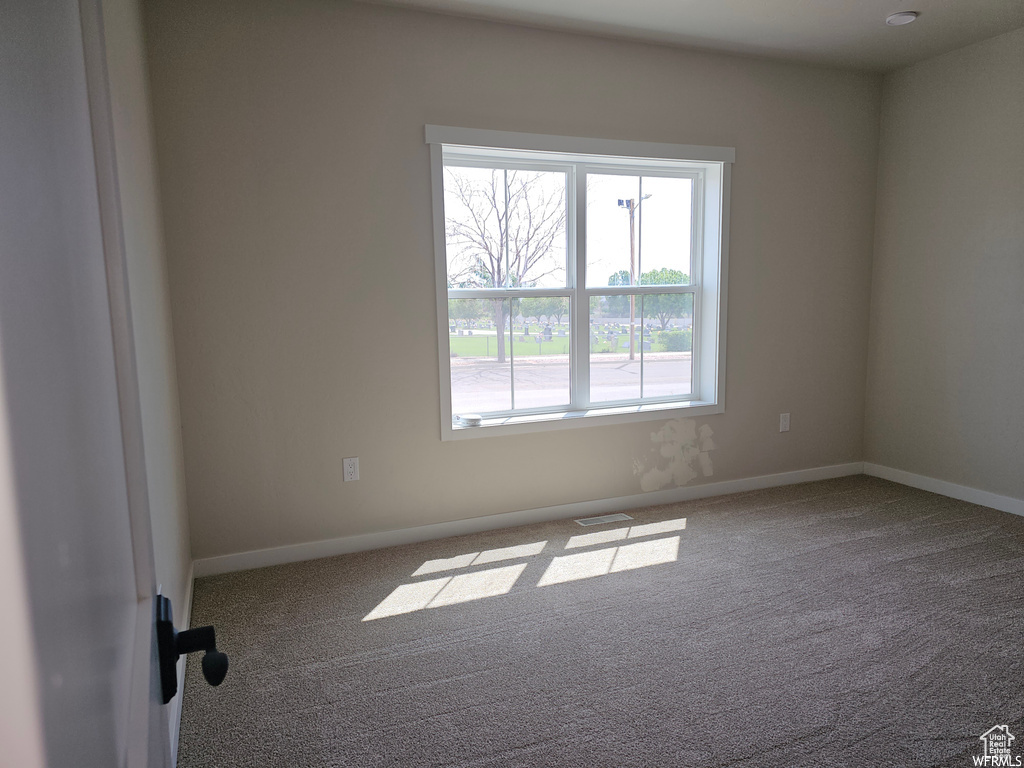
(448, 590)
(632, 532)
(599, 562)
(480, 558)
(678, 446)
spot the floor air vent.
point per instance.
(617, 517)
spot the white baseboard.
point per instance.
(184, 621)
(962, 492)
(312, 550)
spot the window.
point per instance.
(579, 281)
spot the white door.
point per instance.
(72, 478)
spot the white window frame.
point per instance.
(711, 167)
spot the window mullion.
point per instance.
(501, 293)
(641, 290)
(696, 276)
(511, 330)
(641, 344)
(639, 272)
(580, 373)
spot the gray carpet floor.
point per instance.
(850, 622)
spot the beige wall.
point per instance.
(946, 373)
(296, 198)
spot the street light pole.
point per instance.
(632, 206)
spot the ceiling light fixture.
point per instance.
(901, 18)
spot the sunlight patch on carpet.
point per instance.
(447, 590)
(480, 558)
(491, 582)
(632, 532)
(599, 562)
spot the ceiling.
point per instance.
(840, 33)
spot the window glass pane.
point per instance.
(541, 339)
(480, 344)
(505, 228)
(537, 243)
(667, 344)
(614, 371)
(611, 202)
(664, 231)
(474, 210)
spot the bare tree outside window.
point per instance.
(505, 228)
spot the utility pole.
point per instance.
(632, 206)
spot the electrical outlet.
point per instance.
(783, 422)
(351, 469)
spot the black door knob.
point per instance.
(215, 667)
(173, 644)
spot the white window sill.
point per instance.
(594, 417)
